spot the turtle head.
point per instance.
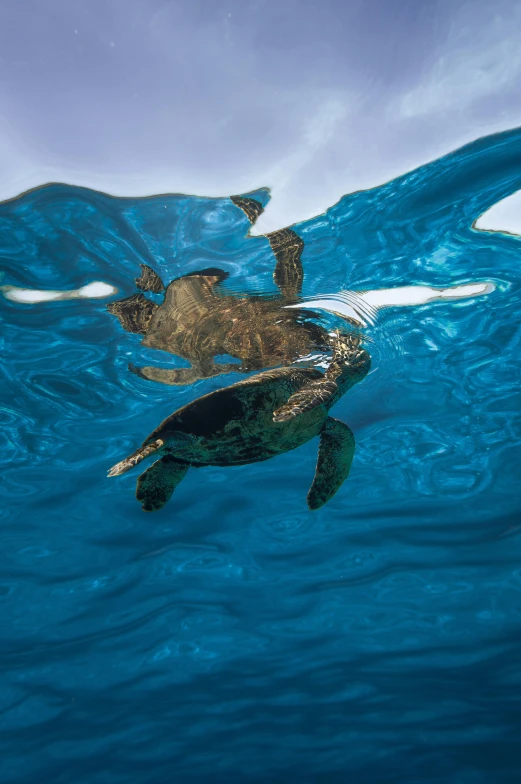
(354, 370)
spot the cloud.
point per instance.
(313, 101)
(318, 131)
(478, 60)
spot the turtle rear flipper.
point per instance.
(149, 280)
(335, 455)
(133, 313)
(156, 485)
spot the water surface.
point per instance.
(236, 636)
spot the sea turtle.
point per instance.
(253, 420)
(199, 320)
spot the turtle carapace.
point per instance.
(255, 419)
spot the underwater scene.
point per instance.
(320, 576)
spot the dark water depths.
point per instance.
(237, 636)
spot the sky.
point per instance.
(217, 97)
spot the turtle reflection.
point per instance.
(200, 320)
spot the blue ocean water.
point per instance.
(236, 636)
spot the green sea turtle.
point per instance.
(253, 420)
(199, 320)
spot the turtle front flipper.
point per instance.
(149, 280)
(349, 364)
(155, 485)
(133, 313)
(313, 394)
(335, 455)
(287, 247)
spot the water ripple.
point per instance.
(237, 636)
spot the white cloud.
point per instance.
(186, 107)
(477, 62)
(319, 130)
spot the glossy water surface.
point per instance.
(236, 636)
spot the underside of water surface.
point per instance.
(235, 635)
